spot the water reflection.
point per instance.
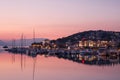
(87, 59)
(47, 67)
(34, 64)
(23, 62)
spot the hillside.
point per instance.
(91, 35)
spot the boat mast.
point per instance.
(22, 41)
(13, 43)
(21, 52)
(25, 42)
(33, 35)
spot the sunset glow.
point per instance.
(53, 19)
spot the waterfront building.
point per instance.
(91, 43)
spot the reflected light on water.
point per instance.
(22, 67)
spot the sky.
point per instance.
(56, 18)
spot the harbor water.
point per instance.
(41, 67)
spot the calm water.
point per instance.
(22, 67)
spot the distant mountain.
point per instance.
(90, 35)
(26, 42)
(2, 43)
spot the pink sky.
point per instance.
(53, 19)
